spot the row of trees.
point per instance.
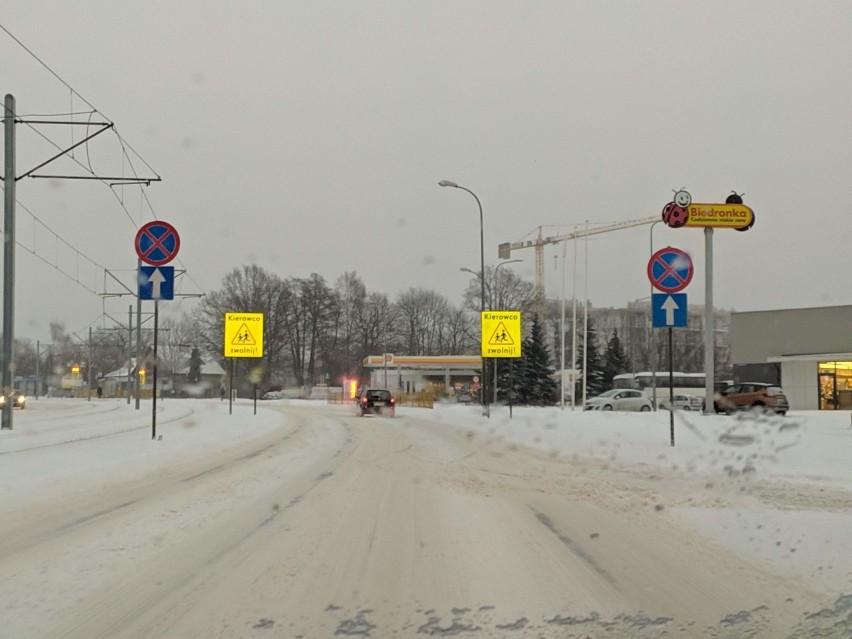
(317, 332)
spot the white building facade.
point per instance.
(808, 351)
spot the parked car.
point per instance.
(375, 401)
(620, 399)
(751, 395)
(16, 397)
(683, 402)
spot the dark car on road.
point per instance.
(751, 395)
(375, 401)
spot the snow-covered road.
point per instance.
(306, 521)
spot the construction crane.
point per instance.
(504, 250)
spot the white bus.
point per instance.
(683, 383)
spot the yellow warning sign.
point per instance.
(501, 334)
(243, 334)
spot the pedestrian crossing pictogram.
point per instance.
(501, 336)
(243, 337)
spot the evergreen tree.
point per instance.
(195, 364)
(596, 383)
(615, 358)
(537, 386)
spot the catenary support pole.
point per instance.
(38, 370)
(8, 257)
(129, 351)
(89, 367)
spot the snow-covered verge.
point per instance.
(788, 480)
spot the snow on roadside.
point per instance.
(808, 446)
(123, 435)
(803, 458)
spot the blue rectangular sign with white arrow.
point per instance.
(669, 310)
(156, 282)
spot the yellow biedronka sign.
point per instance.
(243, 334)
(501, 333)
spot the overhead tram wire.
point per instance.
(55, 265)
(122, 142)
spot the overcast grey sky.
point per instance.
(310, 137)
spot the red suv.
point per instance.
(747, 395)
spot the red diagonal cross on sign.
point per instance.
(670, 270)
(157, 243)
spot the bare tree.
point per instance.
(505, 291)
(249, 289)
(376, 326)
(425, 322)
(309, 308)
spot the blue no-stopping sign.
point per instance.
(670, 270)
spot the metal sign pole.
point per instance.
(154, 376)
(709, 324)
(231, 389)
(671, 389)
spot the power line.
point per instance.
(57, 238)
(44, 64)
(124, 144)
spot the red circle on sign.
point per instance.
(670, 270)
(157, 243)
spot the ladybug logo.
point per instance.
(675, 215)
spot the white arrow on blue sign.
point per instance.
(156, 282)
(669, 310)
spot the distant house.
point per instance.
(211, 378)
(115, 383)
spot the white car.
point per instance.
(682, 402)
(620, 399)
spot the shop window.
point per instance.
(835, 385)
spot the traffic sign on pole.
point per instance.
(670, 270)
(156, 282)
(669, 310)
(501, 333)
(157, 243)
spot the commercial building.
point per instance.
(808, 351)
(417, 373)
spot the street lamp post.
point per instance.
(485, 410)
(652, 340)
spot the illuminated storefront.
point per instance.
(807, 351)
(835, 385)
